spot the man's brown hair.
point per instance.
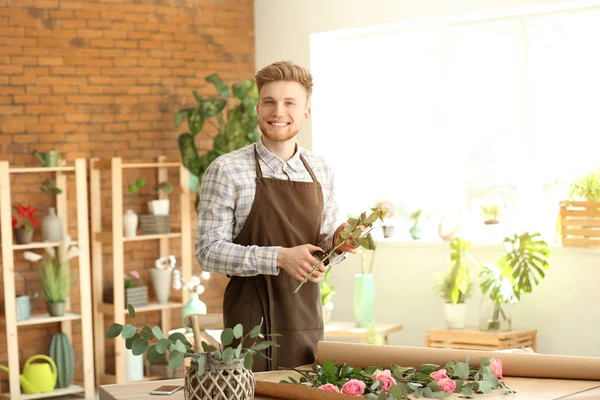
(285, 71)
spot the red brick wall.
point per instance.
(103, 78)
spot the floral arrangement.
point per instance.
(25, 217)
(358, 230)
(193, 285)
(131, 279)
(386, 205)
(429, 380)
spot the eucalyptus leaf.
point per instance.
(180, 347)
(162, 345)
(201, 364)
(227, 336)
(128, 331)
(114, 330)
(238, 331)
(131, 310)
(153, 355)
(248, 361)
(157, 332)
(228, 355)
(485, 387)
(461, 370)
(175, 359)
(255, 332)
(139, 346)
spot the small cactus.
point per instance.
(63, 355)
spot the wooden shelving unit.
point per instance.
(115, 240)
(79, 170)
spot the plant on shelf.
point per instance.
(130, 218)
(519, 271)
(56, 274)
(161, 206)
(490, 213)
(24, 223)
(136, 292)
(586, 187)
(52, 230)
(455, 286)
(221, 373)
(134, 190)
(235, 127)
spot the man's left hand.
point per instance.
(348, 246)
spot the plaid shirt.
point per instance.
(227, 194)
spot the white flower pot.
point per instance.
(455, 315)
(159, 207)
(130, 223)
(134, 366)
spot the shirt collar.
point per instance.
(275, 163)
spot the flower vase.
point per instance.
(161, 283)
(364, 299)
(455, 315)
(52, 227)
(23, 236)
(130, 223)
(388, 231)
(416, 231)
(193, 306)
(134, 366)
(494, 316)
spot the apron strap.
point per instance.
(257, 165)
(308, 168)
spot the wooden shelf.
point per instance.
(107, 237)
(36, 170)
(57, 392)
(47, 319)
(108, 309)
(40, 245)
(63, 204)
(106, 164)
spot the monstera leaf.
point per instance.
(238, 129)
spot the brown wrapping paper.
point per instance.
(522, 371)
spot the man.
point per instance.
(265, 210)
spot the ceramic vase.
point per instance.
(52, 227)
(134, 366)
(161, 283)
(416, 231)
(193, 306)
(364, 299)
(130, 223)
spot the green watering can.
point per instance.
(37, 377)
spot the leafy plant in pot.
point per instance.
(455, 286)
(219, 374)
(161, 206)
(236, 127)
(51, 224)
(517, 272)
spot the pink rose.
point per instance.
(354, 387)
(496, 366)
(388, 207)
(439, 375)
(447, 385)
(328, 387)
(386, 379)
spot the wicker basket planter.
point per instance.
(226, 382)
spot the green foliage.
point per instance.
(456, 285)
(176, 346)
(56, 277)
(49, 188)
(409, 380)
(519, 271)
(490, 213)
(134, 188)
(236, 127)
(327, 290)
(586, 187)
(163, 188)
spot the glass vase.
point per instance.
(494, 316)
(364, 299)
(193, 306)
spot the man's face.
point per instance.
(282, 110)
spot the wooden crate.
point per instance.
(475, 339)
(580, 223)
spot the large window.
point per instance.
(447, 117)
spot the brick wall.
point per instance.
(103, 78)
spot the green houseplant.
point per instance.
(490, 213)
(214, 373)
(519, 271)
(455, 286)
(586, 187)
(236, 126)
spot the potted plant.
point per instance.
(490, 213)
(160, 206)
(219, 374)
(24, 223)
(455, 287)
(237, 126)
(415, 231)
(136, 293)
(51, 224)
(130, 218)
(517, 272)
(586, 187)
(56, 274)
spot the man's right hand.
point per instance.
(299, 261)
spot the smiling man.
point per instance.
(265, 210)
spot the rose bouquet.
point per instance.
(358, 231)
(428, 381)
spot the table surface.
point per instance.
(348, 329)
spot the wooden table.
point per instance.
(472, 338)
(348, 330)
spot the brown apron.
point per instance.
(284, 213)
